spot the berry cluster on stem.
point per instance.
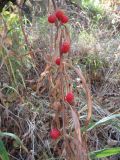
(58, 16)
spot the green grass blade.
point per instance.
(105, 153)
(104, 121)
(22, 78)
(3, 152)
(19, 142)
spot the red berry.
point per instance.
(65, 47)
(64, 19)
(59, 14)
(54, 133)
(52, 18)
(57, 61)
(69, 97)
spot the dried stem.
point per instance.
(54, 4)
(88, 94)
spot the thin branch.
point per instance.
(54, 4)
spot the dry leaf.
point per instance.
(76, 124)
(88, 93)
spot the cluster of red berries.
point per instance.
(58, 14)
(55, 133)
(65, 47)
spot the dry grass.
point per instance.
(31, 120)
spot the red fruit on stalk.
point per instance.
(64, 19)
(52, 18)
(57, 61)
(59, 14)
(69, 97)
(54, 133)
(65, 47)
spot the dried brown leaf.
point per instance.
(88, 93)
(76, 124)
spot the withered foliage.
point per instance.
(74, 143)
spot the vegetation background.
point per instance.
(25, 110)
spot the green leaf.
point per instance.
(104, 121)
(3, 152)
(3, 134)
(19, 142)
(105, 153)
(74, 85)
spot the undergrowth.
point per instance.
(60, 101)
